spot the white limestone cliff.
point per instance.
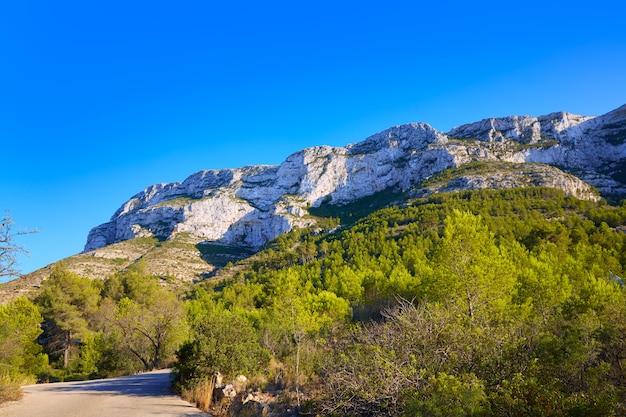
(251, 205)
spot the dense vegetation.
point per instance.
(466, 304)
(79, 328)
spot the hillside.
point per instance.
(187, 231)
(178, 261)
(412, 303)
(486, 295)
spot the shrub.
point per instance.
(222, 342)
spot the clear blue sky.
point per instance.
(99, 99)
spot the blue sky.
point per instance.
(99, 99)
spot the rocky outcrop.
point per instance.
(592, 148)
(251, 205)
(248, 206)
(504, 175)
(522, 129)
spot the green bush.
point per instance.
(222, 342)
(449, 396)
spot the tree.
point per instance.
(222, 342)
(8, 248)
(142, 317)
(449, 396)
(150, 331)
(300, 316)
(472, 269)
(19, 329)
(383, 364)
(67, 302)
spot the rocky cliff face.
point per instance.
(251, 205)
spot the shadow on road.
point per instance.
(141, 385)
(143, 395)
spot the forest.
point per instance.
(473, 303)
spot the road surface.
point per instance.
(140, 395)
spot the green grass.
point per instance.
(177, 202)
(542, 144)
(450, 174)
(151, 240)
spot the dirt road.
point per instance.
(132, 396)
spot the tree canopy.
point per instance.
(486, 302)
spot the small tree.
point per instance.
(8, 249)
(151, 331)
(222, 342)
(471, 269)
(19, 328)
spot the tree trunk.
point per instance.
(66, 349)
(470, 304)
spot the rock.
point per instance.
(513, 176)
(241, 383)
(251, 405)
(249, 206)
(225, 391)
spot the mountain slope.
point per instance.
(249, 206)
(188, 231)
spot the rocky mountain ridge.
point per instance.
(246, 207)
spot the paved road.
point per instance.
(140, 395)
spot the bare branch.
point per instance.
(8, 249)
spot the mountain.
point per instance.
(189, 231)
(249, 206)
